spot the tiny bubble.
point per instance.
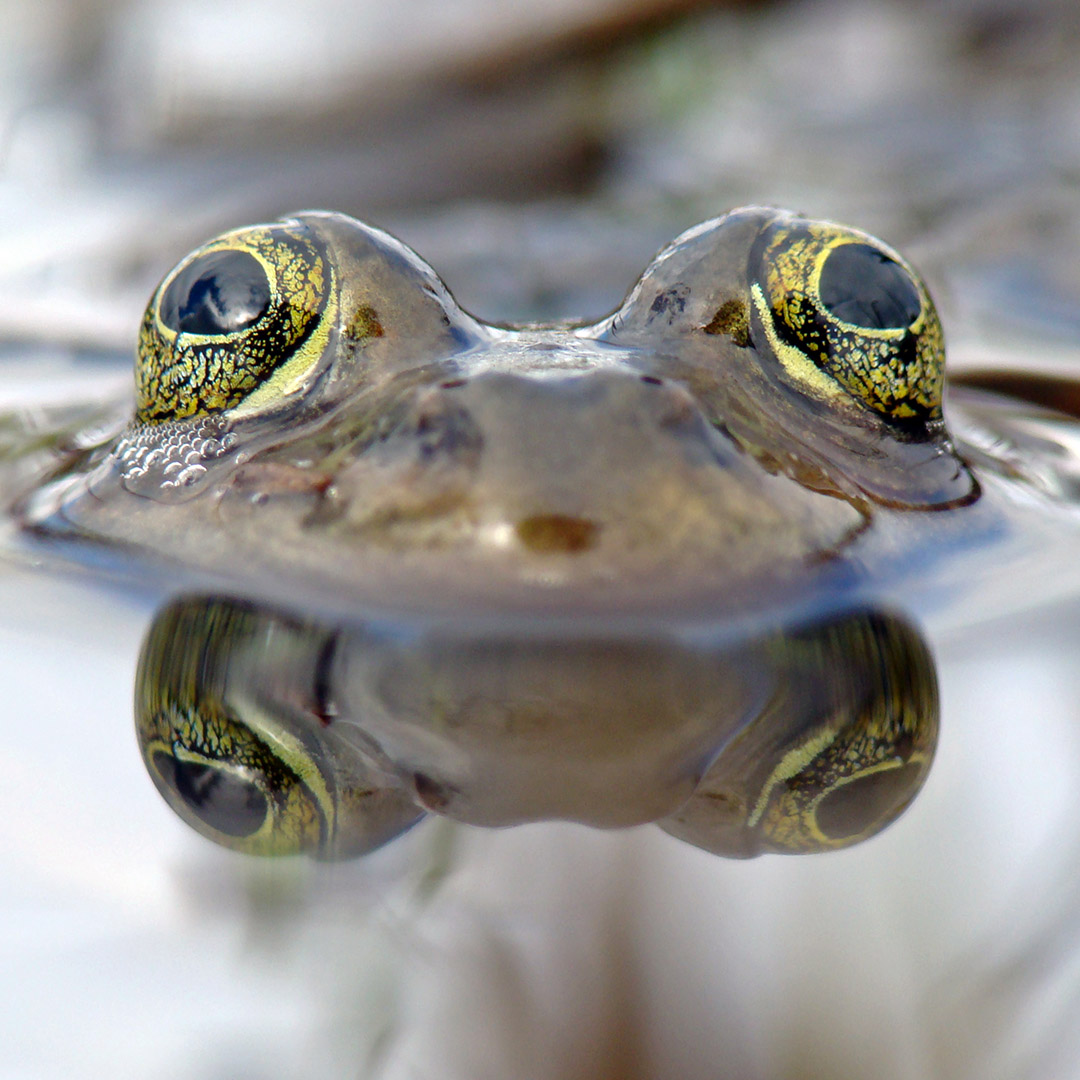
(190, 475)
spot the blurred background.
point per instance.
(537, 154)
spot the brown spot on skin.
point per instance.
(732, 319)
(725, 802)
(364, 324)
(554, 533)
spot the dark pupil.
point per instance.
(864, 287)
(866, 801)
(217, 293)
(227, 803)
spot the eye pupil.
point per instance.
(223, 800)
(866, 801)
(218, 293)
(864, 287)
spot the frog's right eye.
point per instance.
(240, 323)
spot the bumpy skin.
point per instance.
(642, 518)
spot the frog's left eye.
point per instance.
(240, 322)
(846, 316)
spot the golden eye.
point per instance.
(838, 754)
(234, 787)
(239, 323)
(845, 315)
(841, 786)
(229, 724)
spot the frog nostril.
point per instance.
(433, 795)
(551, 533)
(442, 428)
(652, 380)
(452, 384)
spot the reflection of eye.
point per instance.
(237, 788)
(856, 804)
(226, 802)
(839, 753)
(860, 765)
(241, 322)
(846, 316)
(231, 711)
(841, 786)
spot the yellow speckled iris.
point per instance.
(856, 772)
(284, 807)
(796, 809)
(180, 375)
(897, 371)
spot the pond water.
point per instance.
(947, 947)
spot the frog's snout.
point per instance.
(553, 463)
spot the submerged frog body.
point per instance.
(614, 572)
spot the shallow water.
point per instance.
(946, 948)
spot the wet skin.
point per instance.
(403, 454)
(612, 572)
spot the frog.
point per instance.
(652, 568)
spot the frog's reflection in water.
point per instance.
(274, 734)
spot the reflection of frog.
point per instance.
(319, 423)
(272, 733)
